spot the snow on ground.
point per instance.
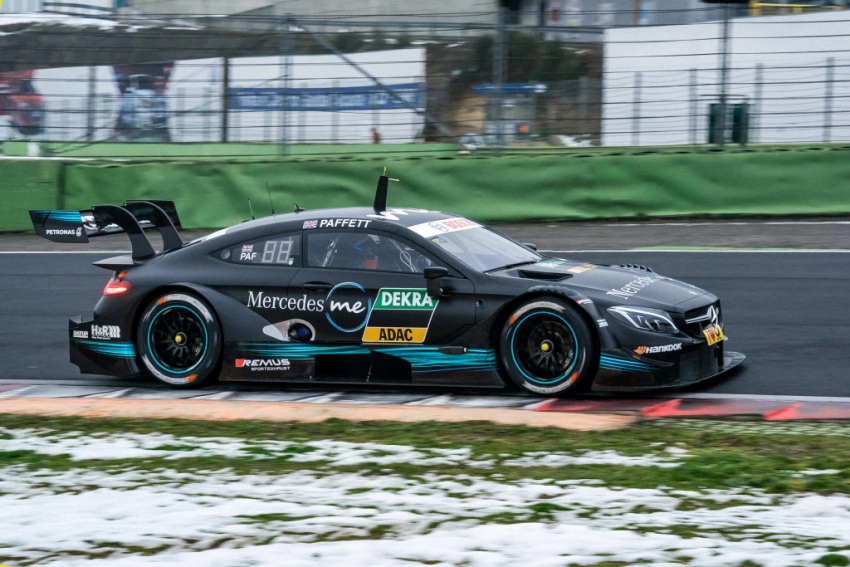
(321, 516)
(337, 453)
(54, 19)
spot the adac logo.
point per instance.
(394, 334)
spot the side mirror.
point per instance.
(433, 280)
(530, 246)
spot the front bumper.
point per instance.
(622, 373)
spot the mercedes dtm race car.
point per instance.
(381, 296)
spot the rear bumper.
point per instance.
(101, 348)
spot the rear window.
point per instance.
(284, 250)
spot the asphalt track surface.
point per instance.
(788, 311)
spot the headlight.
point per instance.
(645, 319)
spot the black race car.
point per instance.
(382, 296)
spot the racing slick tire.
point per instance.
(179, 340)
(547, 348)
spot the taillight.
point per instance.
(116, 285)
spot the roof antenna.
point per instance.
(269, 191)
(381, 192)
(297, 209)
(251, 209)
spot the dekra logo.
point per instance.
(404, 299)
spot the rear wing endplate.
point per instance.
(133, 218)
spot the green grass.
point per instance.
(265, 150)
(746, 456)
(224, 151)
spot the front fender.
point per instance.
(586, 307)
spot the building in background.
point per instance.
(549, 13)
(788, 81)
(533, 72)
(185, 101)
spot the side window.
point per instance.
(282, 250)
(363, 251)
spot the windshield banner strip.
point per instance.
(435, 228)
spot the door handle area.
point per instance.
(317, 286)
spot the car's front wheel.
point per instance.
(547, 348)
(179, 340)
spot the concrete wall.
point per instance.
(473, 11)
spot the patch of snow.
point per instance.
(55, 19)
(337, 453)
(310, 517)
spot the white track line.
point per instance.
(714, 251)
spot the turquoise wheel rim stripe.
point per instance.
(153, 354)
(553, 381)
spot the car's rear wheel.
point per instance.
(179, 340)
(547, 348)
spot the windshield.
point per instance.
(476, 246)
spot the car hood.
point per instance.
(625, 284)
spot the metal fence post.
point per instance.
(335, 114)
(724, 77)
(284, 81)
(694, 112)
(755, 114)
(90, 110)
(225, 100)
(636, 111)
(499, 67)
(583, 89)
(827, 104)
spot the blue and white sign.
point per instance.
(328, 99)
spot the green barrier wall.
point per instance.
(216, 151)
(24, 185)
(801, 181)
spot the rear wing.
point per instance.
(134, 217)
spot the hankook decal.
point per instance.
(658, 349)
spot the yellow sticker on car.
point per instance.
(394, 334)
(713, 335)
